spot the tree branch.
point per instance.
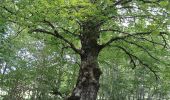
(57, 35)
(123, 37)
(5, 8)
(147, 1)
(138, 59)
(153, 42)
(165, 42)
(165, 45)
(126, 35)
(49, 23)
(130, 56)
(122, 2)
(65, 30)
(118, 2)
(72, 33)
(68, 42)
(144, 49)
(42, 31)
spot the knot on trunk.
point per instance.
(90, 75)
(97, 72)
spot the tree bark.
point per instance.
(87, 84)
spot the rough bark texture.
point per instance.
(88, 80)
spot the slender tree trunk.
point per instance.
(88, 80)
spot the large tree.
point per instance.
(89, 26)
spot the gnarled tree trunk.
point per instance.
(88, 80)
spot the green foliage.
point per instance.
(39, 66)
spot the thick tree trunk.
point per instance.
(88, 80)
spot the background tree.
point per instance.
(134, 32)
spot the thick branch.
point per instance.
(150, 1)
(65, 30)
(164, 44)
(67, 41)
(123, 37)
(118, 2)
(72, 33)
(57, 35)
(49, 23)
(42, 31)
(122, 2)
(8, 10)
(126, 35)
